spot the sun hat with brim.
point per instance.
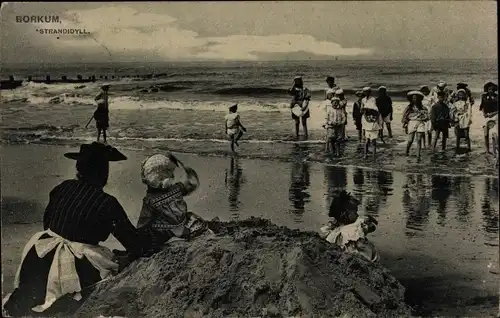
(297, 77)
(157, 171)
(232, 105)
(424, 87)
(366, 89)
(490, 84)
(461, 91)
(359, 93)
(105, 86)
(442, 84)
(382, 88)
(339, 92)
(412, 93)
(96, 151)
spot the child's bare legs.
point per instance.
(238, 138)
(420, 141)
(297, 124)
(304, 126)
(389, 130)
(411, 137)
(435, 140)
(232, 142)
(429, 138)
(468, 138)
(443, 143)
(486, 139)
(104, 135)
(374, 143)
(360, 135)
(332, 143)
(457, 134)
(98, 134)
(367, 145)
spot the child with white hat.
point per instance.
(234, 128)
(164, 211)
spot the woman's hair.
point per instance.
(93, 170)
(233, 109)
(342, 201)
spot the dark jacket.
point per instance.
(440, 112)
(384, 105)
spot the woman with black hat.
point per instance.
(489, 107)
(60, 263)
(101, 115)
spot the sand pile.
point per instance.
(249, 268)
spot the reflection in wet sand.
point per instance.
(380, 187)
(441, 192)
(233, 181)
(358, 179)
(299, 181)
(335, 180)
(464, 192)
(417, 201)
(489, 207)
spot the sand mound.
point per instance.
(249, 268)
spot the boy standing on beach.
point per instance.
(101, 115)
(334, 122)
(489, 107)
(384, 105)
(234, 128)
(440, 120)
(356, 115)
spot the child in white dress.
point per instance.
(347, 229)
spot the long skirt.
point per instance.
(33, 283)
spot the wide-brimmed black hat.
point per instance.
(490, 84)
(96, 150)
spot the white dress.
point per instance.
(371, 128)
(462, 114)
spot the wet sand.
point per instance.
(437, 234)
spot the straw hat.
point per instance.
(412, 93)
(382, 88)
(297, 110)
(297, 77)
(424, 87)
(157, 171)
(232, 105)
(359, 93)
(336, 99)
(339, 91)
(105, 86)
(95, 152)
(367, 89)
(442, 84)
(462, 91)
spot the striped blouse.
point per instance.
(84, 213)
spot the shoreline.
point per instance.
(442, 265)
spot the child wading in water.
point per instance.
(164, 212)
(234, 128)
(440, 120)
(334, 123)
(414, 120)
(461, 114)
(371, 121)
(101, 115)
(347, 229)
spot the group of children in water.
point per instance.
(429, 112)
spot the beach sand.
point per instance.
(437, 234)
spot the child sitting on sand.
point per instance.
(234, 128)
(335, 119)
(347, 229)
(164, 212)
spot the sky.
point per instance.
(250, 31)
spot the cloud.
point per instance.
(120, 29)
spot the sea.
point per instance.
(181, 106)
